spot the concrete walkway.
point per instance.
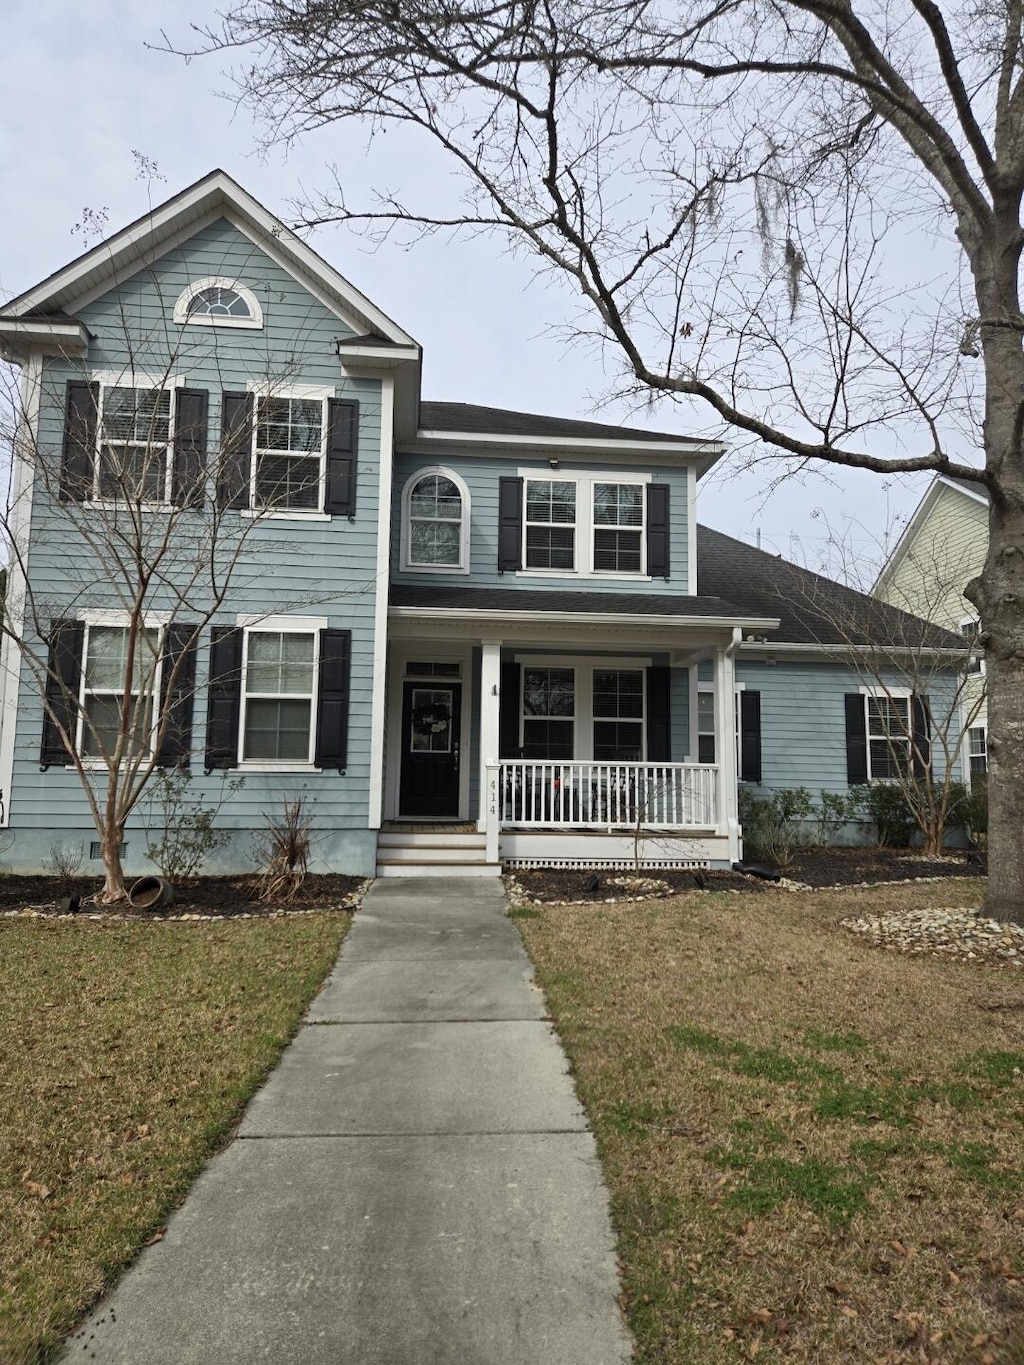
(415, 1184)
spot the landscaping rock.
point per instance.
(958, 933)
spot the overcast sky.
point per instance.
(83, 92)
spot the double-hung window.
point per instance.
(969, 628)
(549, 710)
(278, 696)
(550, 530)
(618, 702)
(977, 750)
(288, 455)
(618, 527)
(889, 737)
(436, 522)
(135, 445)
(106, 676)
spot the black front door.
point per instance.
(430, 748)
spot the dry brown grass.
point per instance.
(815, 1149)
(126, 1054)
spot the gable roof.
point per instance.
(812, 610)
(215, 195)
(470, 417)
(976, 492)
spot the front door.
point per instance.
(431, 713)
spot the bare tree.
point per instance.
(121, 530)
(805, 214)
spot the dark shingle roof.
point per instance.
(552, 599)
(812, 609)
(470, 417)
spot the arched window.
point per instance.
(436, 522)
(218, 303)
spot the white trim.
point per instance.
(583, 669)
(64, 339)
(977, 655)
(272, 626)
(490, 721)
(691, 531)
(584, 527)
(274, 388)
(868, 691)
(183, 318)
(22, 489)
(269, 514)
(120, 616)
(587, 618)
(682, 446)
(463, 566)
(250, 621)
(136, 379)
(140, 383)
(977, 495)
(887, 694)
(93, 762)
(570, 660)
(299, 393)
(378, 709)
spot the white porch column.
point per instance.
(490, 699)
(725, 746)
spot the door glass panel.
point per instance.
(431, 728)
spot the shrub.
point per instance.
(836, 809)
(887, 805)
(974, 815)
(282, 850)
(773, 826)
(65, 861)
(180, 828)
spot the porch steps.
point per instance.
(433, 852)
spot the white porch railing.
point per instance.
(544, 795)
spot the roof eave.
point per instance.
(703, 453)
(590, 618)
(19, 337)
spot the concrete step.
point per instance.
(387, 867)
(431, 839)
(432, 853)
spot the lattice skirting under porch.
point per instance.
(608, 864)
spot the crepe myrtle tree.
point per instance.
(804, 215)
(135, 539)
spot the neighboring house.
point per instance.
(467, 635)
(943, 547)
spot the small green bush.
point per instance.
(887, 805)
(773, 826)
(836, 809)
(974, 816)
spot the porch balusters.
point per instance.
(536, 794)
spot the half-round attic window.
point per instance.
(218, 303)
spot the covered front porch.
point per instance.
(565, 742)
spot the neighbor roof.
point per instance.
(812, 610)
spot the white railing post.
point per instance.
(537, 794)
(491, 795)
(490, 703)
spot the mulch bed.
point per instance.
(813, 867)
(204, 897)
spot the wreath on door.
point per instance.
(430, 719)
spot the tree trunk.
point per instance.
(114, 888)
(1005, 685)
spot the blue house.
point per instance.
(466, 636)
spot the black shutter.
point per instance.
(921, 722)
(856, 740)
(510, 524)
(332, 703)
(224, 697)
(78, 459)
(658, 560)
(177, 692)
(508, 711)
(236, 417)
(189, 473)
(659, 734)
(750, 736)
(342, 452)
(63, 676)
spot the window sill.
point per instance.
(451, 569)
(253, 514)
(101, 505)
(586, 574)
(254, 766)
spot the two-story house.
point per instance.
(466, 636)
(942, 547)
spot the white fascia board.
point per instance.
(812, 651)
(582, 618)
(377, 357)
(906, 540)
(216, 195)
(18, 336)
(680, 451)
(976, 495)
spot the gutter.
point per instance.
(587, 618)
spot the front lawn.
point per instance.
(815, 1148)
(127, 1051)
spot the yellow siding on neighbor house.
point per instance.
(946, 551)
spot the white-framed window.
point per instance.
(619, 522)
(618, 711)
(706, 725)
(105, 673)
(590, 524)
(289, 453)
(218, 302)
(549, 525)
(889, 735)
(549, 712)
(977, 750)
(135, 451)
(279, 693)
(969, 627)
(435, 522)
